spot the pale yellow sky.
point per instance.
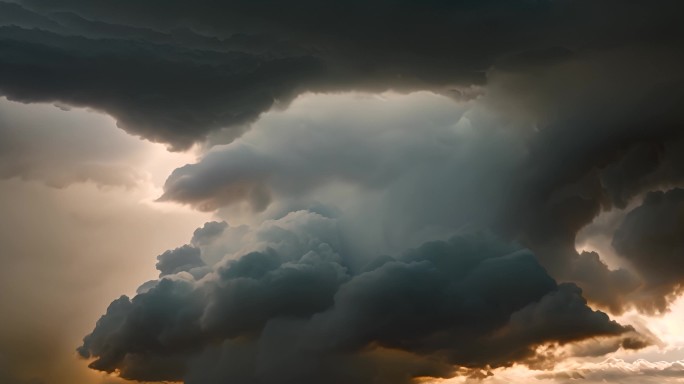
(69, 251)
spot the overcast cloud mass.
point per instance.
(382, 191)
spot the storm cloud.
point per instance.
(408, 183)
(650, 237)
(448, 165)
(175, 71)
(290, 310)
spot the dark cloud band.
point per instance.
(174, 71)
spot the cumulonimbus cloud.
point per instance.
(449, 165)
(540, 116)
(288, 309)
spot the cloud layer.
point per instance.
(175, 71)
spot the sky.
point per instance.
(359, 192)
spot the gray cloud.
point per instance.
(185, 258)
(607, 133)
(363, 140)
(208, 232)
(175, 71)
(291, 311)
(650, 237)
(157, 86)
(537, 186)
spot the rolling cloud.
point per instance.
(506, 175)
(290, 310)
(650, 238)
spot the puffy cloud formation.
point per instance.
(173, 71)
(208, 232)
(287, 309)
(355, 139)
(448, 165)
(597, 110)
(185, 258)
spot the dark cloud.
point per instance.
(208, 232)
(164, 93)
(588, 153)
(293, 152)
(650, 237)
(607, 129)
(604, 156)
(648, 165)
(555, 138)
(174, 71)
(292, 312)
(184, 258)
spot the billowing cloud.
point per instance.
(650, 237)
(606, 134)
(446, 165)
(291, 310)
(185, 258)
(591, 118)
(322, 139)
(208, 232)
